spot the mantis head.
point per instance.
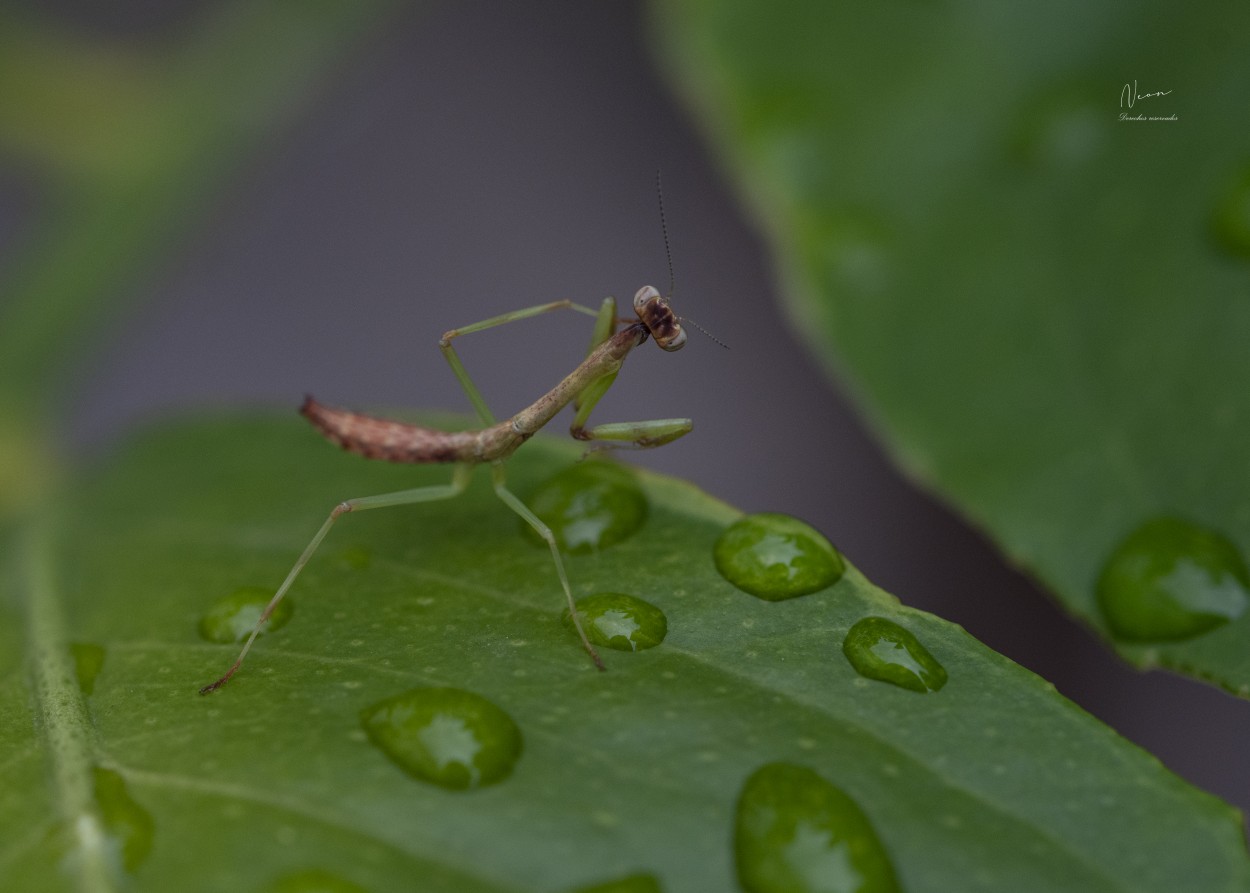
(656, 314)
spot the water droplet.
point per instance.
(130, 827)
(232, 617)
(589, 506)
(452, 738)
(775, 557)
(356, 557)
(620, 621)
(881, 649)
(313, 880)
(1170, 580)
(1062, 130)
(794, 832)
(855, 250)
(1231, 222)
(635, 883)
(88, 661)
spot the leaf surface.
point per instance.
(1042, 307)
(993, 783)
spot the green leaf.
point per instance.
(275, 782)
(1042, 307)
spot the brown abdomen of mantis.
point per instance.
(388, 440)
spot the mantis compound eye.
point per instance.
(659, 318)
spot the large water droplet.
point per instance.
(881, 649)
(1063, 129)
(1231, 222)
(88, 661)
(129, 827)
(794, 832)
(635, 883)
(232, 617)
(1170, 580)
(589, 506)
(619, 621)
(775, 557)
(313, 880)
(446, 736)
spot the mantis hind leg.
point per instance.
(510, 499)
(459, 480)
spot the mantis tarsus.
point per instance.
(378, 438)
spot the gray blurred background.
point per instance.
(479, 158)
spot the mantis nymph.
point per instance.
(379, 438)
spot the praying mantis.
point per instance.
(393, 441)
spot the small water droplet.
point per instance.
(1065, 128)
(635, 883)
(604, 819)
(130, 827)
(1171, 579)
(855, 250)
(452, 738)
(1231, 222)
(232, 617)
(881, 649)
(776, 557)
(620, 621)
(88, 661)
(589, 506)
(313, 880)
(356, 557)
(794, 832)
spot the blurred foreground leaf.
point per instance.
(126, 141)
(1042, 306)
(993, 783)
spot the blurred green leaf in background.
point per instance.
(1040, 299)
(128, 143)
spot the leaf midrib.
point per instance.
(61, 713)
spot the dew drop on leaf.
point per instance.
(128, 826)
(854, 250)
(88, 661)
(232, 617)
(634, 883)
(881, 649)
(589, 506)
(313, 880)
(356, 557)
(1172, 579)
(776, 557)
(1063, 129)
(794, 832)
(620, 621)
(1231, 222)
(446, 736)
